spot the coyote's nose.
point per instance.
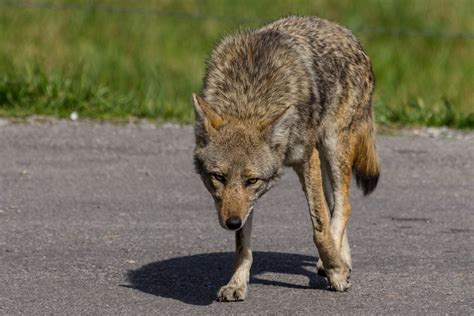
(233, 222)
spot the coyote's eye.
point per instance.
(251, 181)
(218, 177)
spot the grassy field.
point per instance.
(120, 59)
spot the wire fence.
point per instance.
(49, 5)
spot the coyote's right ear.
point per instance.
(277, 130)
(206, 119)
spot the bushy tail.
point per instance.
(366, 162)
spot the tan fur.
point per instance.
(296, 93)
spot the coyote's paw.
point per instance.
(322, 271)
(232, 293)
(339, 281)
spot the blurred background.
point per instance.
(117, 59)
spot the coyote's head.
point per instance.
(238, 160)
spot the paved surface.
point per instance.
(102, 219)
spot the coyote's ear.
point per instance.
(277, 130)
(205, 117)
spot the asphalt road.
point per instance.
(103, 219)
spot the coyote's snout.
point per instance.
(235, 206)
(296, 93)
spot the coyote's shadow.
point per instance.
(196, 279)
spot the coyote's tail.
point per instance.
(366, 162)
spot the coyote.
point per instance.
(295, 93)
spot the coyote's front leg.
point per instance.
(311, 179)
(236, 289)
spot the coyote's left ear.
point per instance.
(205, 117)
(277, 130)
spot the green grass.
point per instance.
(116, 65)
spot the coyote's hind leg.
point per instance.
(328, 185)
(311, 179)
(339, 158)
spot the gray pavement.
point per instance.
(104, 219)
